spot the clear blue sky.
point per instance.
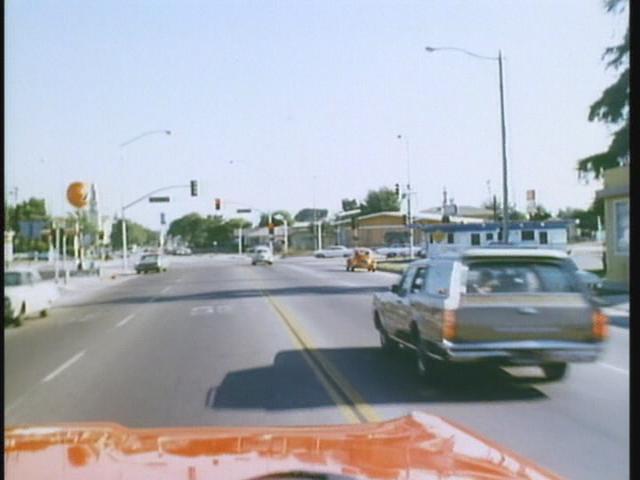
(264, 95)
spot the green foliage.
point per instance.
(136, 235)
(540, 214)
(32, 209)
(612, 107)
(201, 232)
(382, 200)
(29, 210)
(264, 218)
(588, 219)
(307, 214)
(348, 204)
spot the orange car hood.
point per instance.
(415, 446)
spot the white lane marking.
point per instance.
(125, 320)
(64, 366)
(613, 367)
(166, 289)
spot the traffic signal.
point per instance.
(397, 189)
(194, 188)
(163, 219)
(405, 219)
(218, 203)
(354, 223)
(272, 228)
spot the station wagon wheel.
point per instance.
(387, 343)
(554, 371)
(426, 367)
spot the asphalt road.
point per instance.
(216, 341)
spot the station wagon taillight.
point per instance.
(449, 324)
(600, 325)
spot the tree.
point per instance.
(587, 219)
(349, 204)
(264, 218)
(32, 210)
(307, 214)
(612, 107)
(136, 235)
(205, 232)
(382, 200)
(540, 214)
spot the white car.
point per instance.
(262, 255)
(333, 251)
(397, 250)
(28, 293)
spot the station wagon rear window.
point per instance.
(519, 277)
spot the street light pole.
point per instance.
(505, 202)
(124, 220)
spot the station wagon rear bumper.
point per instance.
(526, 352)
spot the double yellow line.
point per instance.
(343, 394)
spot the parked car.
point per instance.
(504, 306)
(362, 258)
(397, 250)
(183, 251)
(151, 262)
(333, 251)
(26, 293)
(262, 255)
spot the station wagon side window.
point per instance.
(438, 279)
(417, 285)
(406, 281)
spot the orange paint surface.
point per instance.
(415, 446)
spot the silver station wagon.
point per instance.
(507, 306)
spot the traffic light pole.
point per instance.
(124, 220)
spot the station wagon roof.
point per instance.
(514, 252)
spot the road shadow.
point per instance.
(218, 295)
(379, 377)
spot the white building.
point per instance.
(449, 237)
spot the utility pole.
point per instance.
(409, 219)
(505, 205)
(57, 256)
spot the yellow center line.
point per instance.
(345, 396)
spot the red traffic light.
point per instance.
(218, 203)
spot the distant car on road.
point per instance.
(262, 255)
(183, 251)
(333, 251)
(151, 262)
(503, 306)
(397, 250)
(25, 293)
(362, 258)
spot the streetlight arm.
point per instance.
(144, 134)
(462, 50)
(151, 193)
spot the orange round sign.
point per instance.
(78, 194)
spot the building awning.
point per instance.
(621, 191)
